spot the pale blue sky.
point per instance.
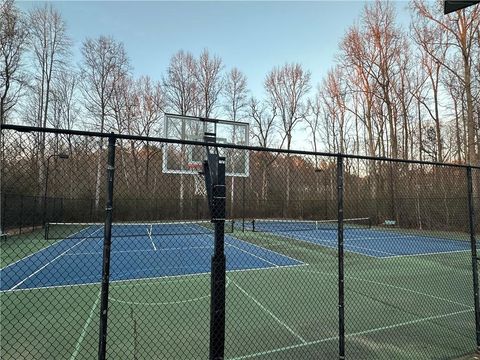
(254, 36)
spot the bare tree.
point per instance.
(264, 128)
(181, 89)
(105, 63)
(314, 120)
(333, 93)
(149, 107)
(65, 109)
(182, 96)
(287, 87)
(13, 42)
(386, 44)
(462, 26)
(235, 93)
(51, 48)
(50, 51)
(355, 56)
(433, 45)
(208, 74)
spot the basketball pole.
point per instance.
(214, 170)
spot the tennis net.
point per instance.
(278, 225)
(54, 231)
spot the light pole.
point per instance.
(60, 156)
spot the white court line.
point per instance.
(46, 247)
(283, 235)
(405, 237)
(290, 330)
(391, 286)
(412, 291)
(85, 327)
(150, 237)
(321, 241)
(263, 248)
(369, 331)
(252, 254)
(51, 261)
(423, 254)
(346, 246)
(156, 278)
(135, 251)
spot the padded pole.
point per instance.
(218, 268)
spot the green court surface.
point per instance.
(413, 307)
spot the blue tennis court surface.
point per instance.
(377, 242)
(78, 260)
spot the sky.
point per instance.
(253, 36)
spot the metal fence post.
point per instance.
(2, 224)
(473, 246)
(107, 241)
(91, 210)
(34, 215)
(21, 214)
(341, 277)
(243, 204)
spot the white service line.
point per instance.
(85, 327)
(261, 247)
(290, 330)
(140, 250)
(369, 331)
(51, 261)
(252, 254)
(150, 237)
(346, 246)
(426, 254)
(155, 278)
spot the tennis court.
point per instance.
(162, 293)
(138, 251)
(361, 238)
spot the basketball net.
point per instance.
(198, 178)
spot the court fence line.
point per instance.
(433, 205)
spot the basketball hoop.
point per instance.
(199, 180)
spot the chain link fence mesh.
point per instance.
(407, 254)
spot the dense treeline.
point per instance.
(404, 93)
(414, 195)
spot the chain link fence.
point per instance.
(328, 256)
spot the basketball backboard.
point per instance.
(187, 159)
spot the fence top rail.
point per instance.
(23, 128)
